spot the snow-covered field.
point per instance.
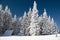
(46, 37)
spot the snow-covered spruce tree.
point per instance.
(43, 23)
(14, 25)
(46, 25)
(24, 24)
(20, 22)
(53, 27)
(1, 20)
(20, 26)
(28, 22)
(34, 28)
(7, 18)
(40, 24)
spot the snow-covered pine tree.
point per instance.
(34, 28)
(10, 19)
(28, 21)
(52, 27)
(44, 24)
(14, 25)
(15, 19)
(7, 18)
(40, 24)
(24, 24)
(20, 26)
(1, 20)
(20, 22)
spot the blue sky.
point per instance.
(19, 6)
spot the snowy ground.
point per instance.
(46, 37)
